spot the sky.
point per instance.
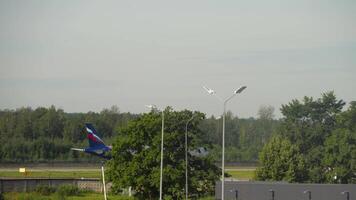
(88, 55)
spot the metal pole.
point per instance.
(272, 193)
(347, 194)
(104, 186)
(212, 92)
(186, 157)
(223, 150)
(223, 156)
(161, 178)
(309, 194)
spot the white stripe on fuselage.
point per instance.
(89, 130)
(97, 138)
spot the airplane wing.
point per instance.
(76, 149)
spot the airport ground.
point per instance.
(84, 171)
(240, 173)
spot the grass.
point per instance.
(84, 196)
(242, 174)
(236, 173)
(51, 174)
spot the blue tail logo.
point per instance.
(96, 145)
(94, 140)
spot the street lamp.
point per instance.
(186, 156)
(309, 194)
(347, 194)
(161, 173)
(212, 92)
(272, 193)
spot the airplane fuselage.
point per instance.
(101, 151)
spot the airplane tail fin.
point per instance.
(94, 139)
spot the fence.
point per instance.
(243, 190)
(29, 184)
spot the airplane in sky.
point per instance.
(96, 145)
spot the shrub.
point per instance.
(45, 190)
(27, 196)
(68, 190)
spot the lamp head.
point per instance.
(208, 90)
(242, 88)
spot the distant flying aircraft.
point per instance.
(96, 145)
(200, 152)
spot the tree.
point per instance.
(281, 161)
(136, 157)
(340, 157)
(266, 112)
(318, 132)
(307, 124)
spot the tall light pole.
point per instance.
(186, 157)
(161, 173)
(212, 92)
(103, 175)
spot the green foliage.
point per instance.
(281, 161)
(244, 137)
(45, 134)
(136, 157)
(26, 196)
(45, 190)
(68, 190)
(318, 132)
(308, 123)
(340, 157)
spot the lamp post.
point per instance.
(103, 175)
(212, 92)
(161, 173)
(186, 156)
(347, 194)
(309, 194)
(272, 194)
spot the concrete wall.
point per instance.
(29, 184)
(284, 191)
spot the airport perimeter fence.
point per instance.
(29, 184)
(245, 190)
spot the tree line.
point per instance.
(315, 142)
(47, 134)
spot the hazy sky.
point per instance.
(88, 55)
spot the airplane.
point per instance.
(200, 152)
(96, 145)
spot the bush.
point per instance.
(1, 196)
(45, 190)
(26, 196)
(68, 190)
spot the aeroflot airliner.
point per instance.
(96, 145)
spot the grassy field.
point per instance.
(52, 174)
(241, 174)
(86, 196)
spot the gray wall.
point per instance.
(27, 185)
(283, 191)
